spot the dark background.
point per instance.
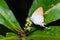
(20, 9)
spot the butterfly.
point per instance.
(38, 17)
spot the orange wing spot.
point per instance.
(39, 11)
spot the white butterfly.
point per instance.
(37, 17)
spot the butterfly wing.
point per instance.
(37, 17)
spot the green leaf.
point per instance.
(8, 19)
(46, 4)
(46, 34)
(1, 37)
(9, 36)
(4, 4)
(52, 14)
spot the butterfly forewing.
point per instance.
(37, 17)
